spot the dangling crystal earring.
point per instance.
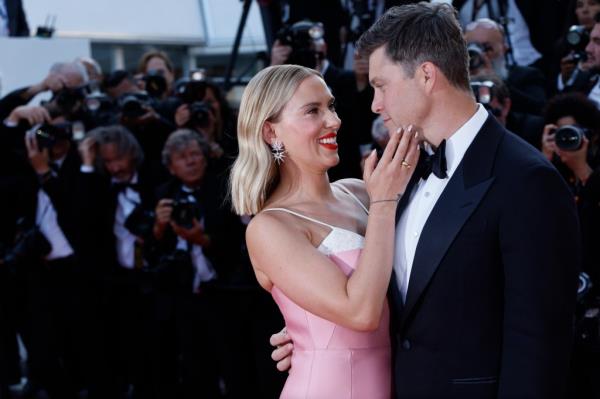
(278, 151)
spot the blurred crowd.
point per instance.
(123, 271)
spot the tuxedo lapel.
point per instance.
(463, 194)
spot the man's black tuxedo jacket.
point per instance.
(491, 294)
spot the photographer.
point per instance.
(114, 197)
(63, 76)
(141, 115)
(204, 110)
(45, 251)
(157, 74)
(488, 55)
(574, 65)
(571, 142)
(198, 243)
(302, 43)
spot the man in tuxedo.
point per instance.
(51, 327)
(487, 244)
(114, 198)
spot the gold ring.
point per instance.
(404, 163)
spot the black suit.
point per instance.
(491, 295)
(17, 23)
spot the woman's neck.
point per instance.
(297, 186)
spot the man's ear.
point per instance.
(268, 132)
(428, 75)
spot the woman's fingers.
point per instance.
(402, 149)
(370, 163)
(392, 145)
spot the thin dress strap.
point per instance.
(300, 216)
(344, 189)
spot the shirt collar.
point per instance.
(459, 141)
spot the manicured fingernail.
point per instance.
(399, 130)
(410, 128)
(416, 134)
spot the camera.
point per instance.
(134, 105)
(156, 84)
(30, 244)
(184, 212)
(302, 37)
(577, 39)
(570, 137)
(140, 222)
(191, 92)
(97, 102)
(47, 135)
(476, 53)
(66, 102)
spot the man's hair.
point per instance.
(417, 33)
(597, 18)
(68, 68)
(123, 139)
(179, 140)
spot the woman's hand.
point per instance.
(387, 179)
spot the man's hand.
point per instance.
(163, 211)
(577, 161)
(182, 115)
(87, 151)
(39, 159)
(548, 143)
(32, 114)
(280, 53)
(53, 82)
(284, 348)
(195, 234)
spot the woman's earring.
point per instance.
(278, 151)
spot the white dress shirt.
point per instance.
(424, 197)
(46, 219)
(204, 271)
(127, 200)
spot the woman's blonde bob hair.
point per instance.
(254, 173)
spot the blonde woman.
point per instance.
(324, 250)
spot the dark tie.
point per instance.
(433, 163)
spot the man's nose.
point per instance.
(376, 106)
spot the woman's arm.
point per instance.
(283, 255)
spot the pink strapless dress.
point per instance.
(331, 361)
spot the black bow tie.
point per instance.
(433, 163)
